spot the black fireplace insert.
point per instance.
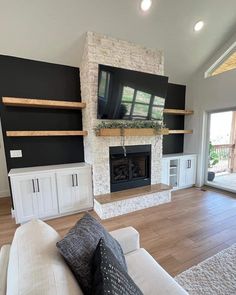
(130, 167)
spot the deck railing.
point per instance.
(225, 153)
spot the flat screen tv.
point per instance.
(130, 95)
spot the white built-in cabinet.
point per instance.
(50, 191)
(179, 170)
(76, 185)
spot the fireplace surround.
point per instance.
(130, 167)
(100, 49)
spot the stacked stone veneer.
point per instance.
(101, 49)
(117, 208)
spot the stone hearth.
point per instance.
(119, 203)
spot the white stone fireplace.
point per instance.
(104, 50)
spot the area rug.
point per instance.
(214, 276)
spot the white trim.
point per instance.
(203, 159)
(4, 194)
(12, 213)
(206, 146)
(220, 60)
(224, 188)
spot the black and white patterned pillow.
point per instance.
(78, 247)
(109, 277)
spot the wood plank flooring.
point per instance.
(194, 226)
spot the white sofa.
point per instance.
(32, 265)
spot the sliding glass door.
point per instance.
(221, 152)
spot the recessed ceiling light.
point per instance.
(146, 4)
(198, 26)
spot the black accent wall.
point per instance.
(175, 99)
(33, 79)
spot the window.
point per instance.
(225, 63)
(104, 85)
(141, 105)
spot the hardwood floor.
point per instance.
(194, 226)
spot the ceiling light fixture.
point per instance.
(146, 4)
(198, 26)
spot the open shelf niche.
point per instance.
(43, 103)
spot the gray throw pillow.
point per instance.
(79, 245)
(109, 277)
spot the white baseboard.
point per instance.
(12, 213)
(4, 194)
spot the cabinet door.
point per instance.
(191, 171)
(83, 189)
(66, 192)
(187, 171)
(165, 171)
(46, 195)
(25, 198)
(74, 190)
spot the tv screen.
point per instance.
(130, 95)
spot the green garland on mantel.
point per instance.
(128, 124)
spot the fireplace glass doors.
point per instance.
(130, 167)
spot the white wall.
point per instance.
(4, 186)
(203, 95)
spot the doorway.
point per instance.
(221, 152)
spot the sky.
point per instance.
(220, 127)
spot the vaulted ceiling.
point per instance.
(53, 30)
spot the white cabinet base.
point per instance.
(179, 170)
(47, 192)
(66, 214)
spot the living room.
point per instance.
(105, 128)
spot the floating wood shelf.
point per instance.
(180, 131)
(46, 133)
(132, 132)
(178, 112)
(42, 103)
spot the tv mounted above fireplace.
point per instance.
(130, 95)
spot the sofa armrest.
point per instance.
(4, 259)
(128, 238)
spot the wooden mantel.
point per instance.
(139, 132)
(131, 132)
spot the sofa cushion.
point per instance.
(128, 238)
(4, 260)
(35, 265)
(149, 276)
(78, 247)
(109, 277)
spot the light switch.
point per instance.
(16, 153)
